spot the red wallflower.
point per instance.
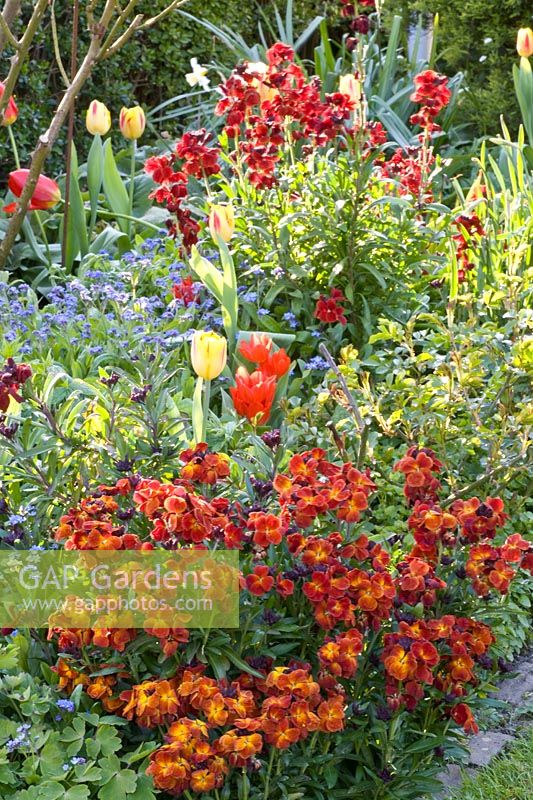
(202, 466)
(418, 466)
(186, 291)
(470, 230)
(431, 91)
(479, 519)
(260, 581)
(12, 377)
(462, 714)
(268, 529)
(328, 309)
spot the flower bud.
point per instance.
(132, 122)
(11, 111)
(98, 118)
(45, 195)
(351, 86)
(208, 354)
(524, 42)
(221, 222)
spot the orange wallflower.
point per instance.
(151, 703)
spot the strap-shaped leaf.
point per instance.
(77, 223)
(95, 174)
(114, 189)
(210, 276)
(197, 411)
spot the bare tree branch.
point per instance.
(8, 15)
(21, 54)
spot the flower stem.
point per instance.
(14, 146)
(205, 408)
(45, 237)
(132, 184)
(269, 771)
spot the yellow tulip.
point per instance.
(351, 86)
(524, 42)
(221, 222)
(98, 118)
(132, 122)
(208, 354)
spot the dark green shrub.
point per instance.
(478, 38)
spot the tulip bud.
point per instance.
(351, 86)
(45, 195)
(208, 354)
(10, 112)
(221, 222)
(524, 42)
(98, 118)
(132, 122)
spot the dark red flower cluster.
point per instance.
(479, 520)
(493, 568)
(431, 527)
(93, 525)
(192, 156)
(315, 487)
(329, 309)
(203, 466)
(410, 173)
(12, 377)
(470, 231)
(432, 92)
(412, 657)
(269, 105)
(417, 582)
(253, 393)
(186, 291)
(340, 592)
(178, 514)
(418, 466)
(216, 725)
(357, 12)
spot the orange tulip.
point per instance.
(11, 112)
(45, 195)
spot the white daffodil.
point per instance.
(198, 75)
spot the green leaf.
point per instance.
(114, 189)
(240, 664)
(95, 174)
(76, 222)
(120, 786)
(197, 410)
(144, 789)
(77, 793)
(210, 276)
(51, 791)
(230, 302)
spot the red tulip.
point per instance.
(11, 112)
(253, 395)
(46, 193)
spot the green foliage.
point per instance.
(477, 38)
